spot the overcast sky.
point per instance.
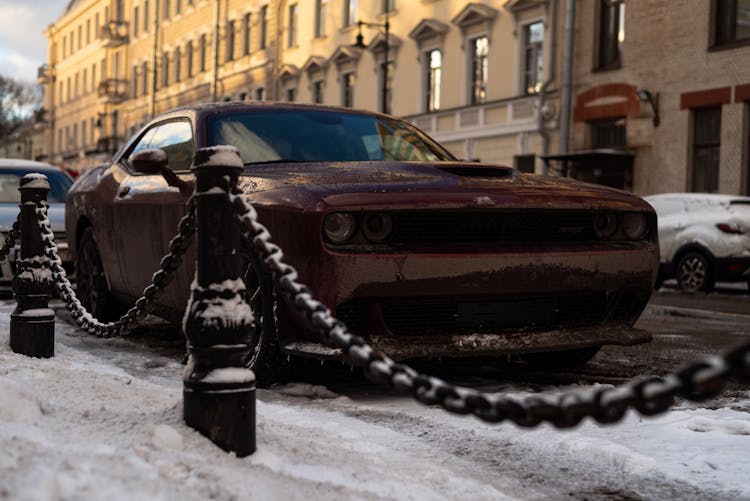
(22, 44)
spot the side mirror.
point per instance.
(154, 161)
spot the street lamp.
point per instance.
(646, 96)
(360, 43)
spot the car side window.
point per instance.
(176, 139)
(144, 142)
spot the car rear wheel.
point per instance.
(92, 288)
(694, 273)
(560, 359)
(264, 359)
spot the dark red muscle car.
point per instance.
(422, 254)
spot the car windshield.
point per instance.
(59, 185)
(321, 136)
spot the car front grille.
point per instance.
(426, 316)
(492, 227)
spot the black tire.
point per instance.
(265, 357)
(561, 359)
(92, 287)
(694, 273)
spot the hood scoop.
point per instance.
(478, 172)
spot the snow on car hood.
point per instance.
(9, 213)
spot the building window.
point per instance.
(135, 21)
(524, 163)
(88, 31)
(263, 26)
(83, 133)
(165, 69)
(189, 58)
(317, 91)
(387, 6)
(80, 37)
(291, 95)
(230, 41)
(202, 50)
(611, 32)
(165, 13)
(347, 90)
(610, 133)
(260, 94)
(433, 74)
(706, 146)
(533, 60)
(135, 81)
(85, 81)
(177, 64)
(97, 26)
(178, 6)
(350, 12)
(386, 71)
(320, 17)
(292, 41)
(145, 16)
(144, 70)
(732, 21)
(246, 35)
(479, 68)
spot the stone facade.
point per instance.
(100, 85)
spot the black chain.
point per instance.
(647, 395)
(168, 266)
(10, 238)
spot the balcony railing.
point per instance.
(114, 33)
(113, 90)
(109, 144)
(44, 74)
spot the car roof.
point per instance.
(265, 105)
(22, 163)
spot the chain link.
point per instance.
(10, 238)
(605, 404)
(168, 266)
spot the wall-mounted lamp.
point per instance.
(645, 96)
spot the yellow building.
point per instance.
(480, 77)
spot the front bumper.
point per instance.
(498, 301)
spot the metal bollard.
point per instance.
(218, 388)
(32, 323)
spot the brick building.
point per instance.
(666, 85)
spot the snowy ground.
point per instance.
(102, 420)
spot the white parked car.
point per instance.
(703, 238)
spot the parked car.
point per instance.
(703, 238)
(11, 172)
(422, 254)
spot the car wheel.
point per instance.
(694, 273)
(560, 359)
(92, 288)
(265, 359)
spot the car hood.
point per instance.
(9, 213)
(424, 185)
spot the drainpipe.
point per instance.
(277, 53)
(550, 79)
(567, 79)
(215, 93)
(154, 81)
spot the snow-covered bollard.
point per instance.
(219, 390)
(32, 323)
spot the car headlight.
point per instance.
(605, 225)
(377, 227)
(339, 227)
(634, 225)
